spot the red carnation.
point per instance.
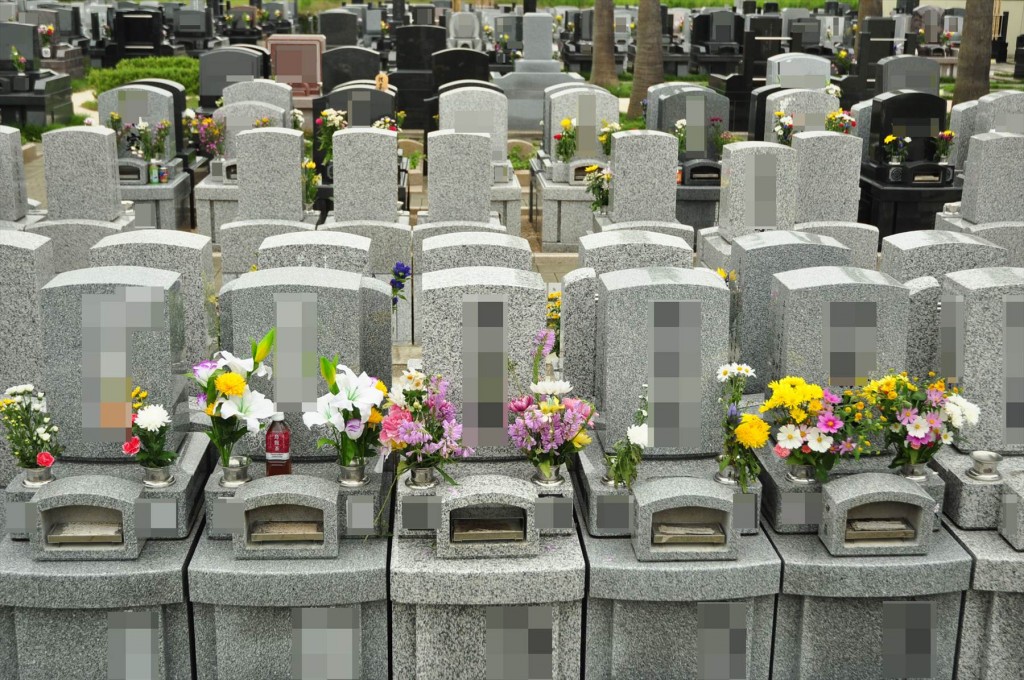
(558, 137)
(132, 446)
(44, 459)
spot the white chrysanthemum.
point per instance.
(637, 435)
(953, 413)
(554, 388)
(818, 440)
(152, 417)
(789, 437)
(971, 412)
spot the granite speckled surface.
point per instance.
(441, 227)
(972, 504)
(705, 499)
(655, 93)
(473, 249)
(568, 214)
(128, 101)
(365, 176)
(1009, 235)
(935, 253)
(923, 343)
(155, 353)
(962, 118)
(756, 258)
(488, 490)
(739, 213)
(269, 191)
(390, 242)
(478, 104)
(984, 315)
(991, 636)
(238, 117)
(671, 106)
(644, 186)
(993, 188)
(14, 191)
(259, 90)
(328, 249)
(26, 265)
(624, 302)
(995, 110)
(191, 255)
(305, 491)
(808, 109)
(565, 103)
(460, 177)
(82, 184)
(683, 231)
(72, 239)
(240, 241)
(578, 330)
(1011, 511)
(713, 251)
(896, 495)
(623, 249)
(828, 189)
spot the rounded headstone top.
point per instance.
(647, 276)
(164, 237)
(335, 239)
(25, 240)
(473, 238)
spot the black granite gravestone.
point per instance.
(344, 64)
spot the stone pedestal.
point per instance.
(970, 503)
(216, 204)
(507, 201)
(567, 214)
(906, 611)
(697, 206)
(160, 206)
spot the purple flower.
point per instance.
(732, 413)
(934, 420)
(831, 398)
(201, 399)
(936, 397)
(521, 404)
(412, 433)
(354, 428)
(846, 446)
(545, 338)
(907, 416)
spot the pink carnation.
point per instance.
(781, 451)
(391, 423)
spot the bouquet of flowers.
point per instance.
(296, 117)
(945, 38)
(605, 138)
(19, 60)
(349, 410)
(488, 31)
(400, 274)
(150, 424)
(795, 406)
(209, 137)
(233, 406)
(329, 122)
(840, 121)
(544, 427)
(387, 123)
(553, 317)
(262, 122)
(599, 183)
(896, 148)
(621, 465)
(919, 420)
(743, 432)
(783, 128)
(565, 147)
(943, 144)
(680, 131)
(149, 141)
(30, 431)
(385, 28)
(719, 135)
(834, 90)
(46, 34)
(843, 61)
(420, 425)
(310, 182)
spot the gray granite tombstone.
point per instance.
(269, 175)
(808, 109)
(461, 177)
(365, 175)
(140, 104)
(643, 185)
(828, 171)
(259, 90)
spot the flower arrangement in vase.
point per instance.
(605, 136)
(420, 425)
(30, 432)
(896, 148)
(810, 435)
(150, 425)
(311, 181)
(297, 119)
(943, 145)
(720, 136)
(919, 421)
(843, 62)
(622, 465)
(18, 59)
(329, 122)
(387, 123)
(783, 128)
(565, 141)
(743, 432)
(840, 121)
(546, 425)
(262, 122)
(680, 131)
(553, 318)
(350, 414)
(208, 136)
(599, 185)
(233, 406)
(46, 33)
(834, 90)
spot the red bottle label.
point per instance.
(278, 445)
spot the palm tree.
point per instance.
(974, 60)
(649, 69)
(602, 70)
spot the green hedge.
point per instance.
(184, 70)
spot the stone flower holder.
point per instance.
(488, 516)
(876, 514)
(683, 519)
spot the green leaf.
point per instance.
(444, 474)
(262, 350)
(323, 441)
(328, 369)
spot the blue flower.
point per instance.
(394, 301)
(401, 270)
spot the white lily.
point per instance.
(325, 414)
(356, 392)
(242, 366)
(252, 407)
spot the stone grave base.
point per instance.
(896, 209)
(108, 614)
(566, 215)
(796, 508)
(972, 504)
(507, 201)
(713, 251)
(160, 206)
(250, 615)
(822, 594)
(603, 508)
(697, 206)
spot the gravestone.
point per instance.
(365, 176)
(962, 119)
(344, 64)
(26, 265)
(798, 70)
(459, 64)
(609, 251)
(270, 174)
(837, 326)
(913, 254)
(908, 72)
(477, 110)
(758, 188)
(259, 90)
(240, 116)
(473, 249)
(643, 186)
(1001, 111)
(588, 108)
(861, 239)
(113, 327)
(415, 45)
(654, 95)
(295, 60)
(240, 242)
(917, 115)
(461, 178)
(808, 109)
(327, 249)
(140, 103)
(828, 172)
(226, 65)
(189, 255)
(696, 105)
(757, 257)
(13, 190)
(537, 36)
(340, 27)
(993, 182)
(80, 165)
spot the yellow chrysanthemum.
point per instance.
(230, 384)
(814, 406)
(566, 123)
(889, 139)
(143, 394)
(381, 386)
(136, 391)
(375, 416)
(137, 404)
(210, 408)
(590, 168)
(752, 432)
(798, 414)
(722, 273)
(581, 440)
